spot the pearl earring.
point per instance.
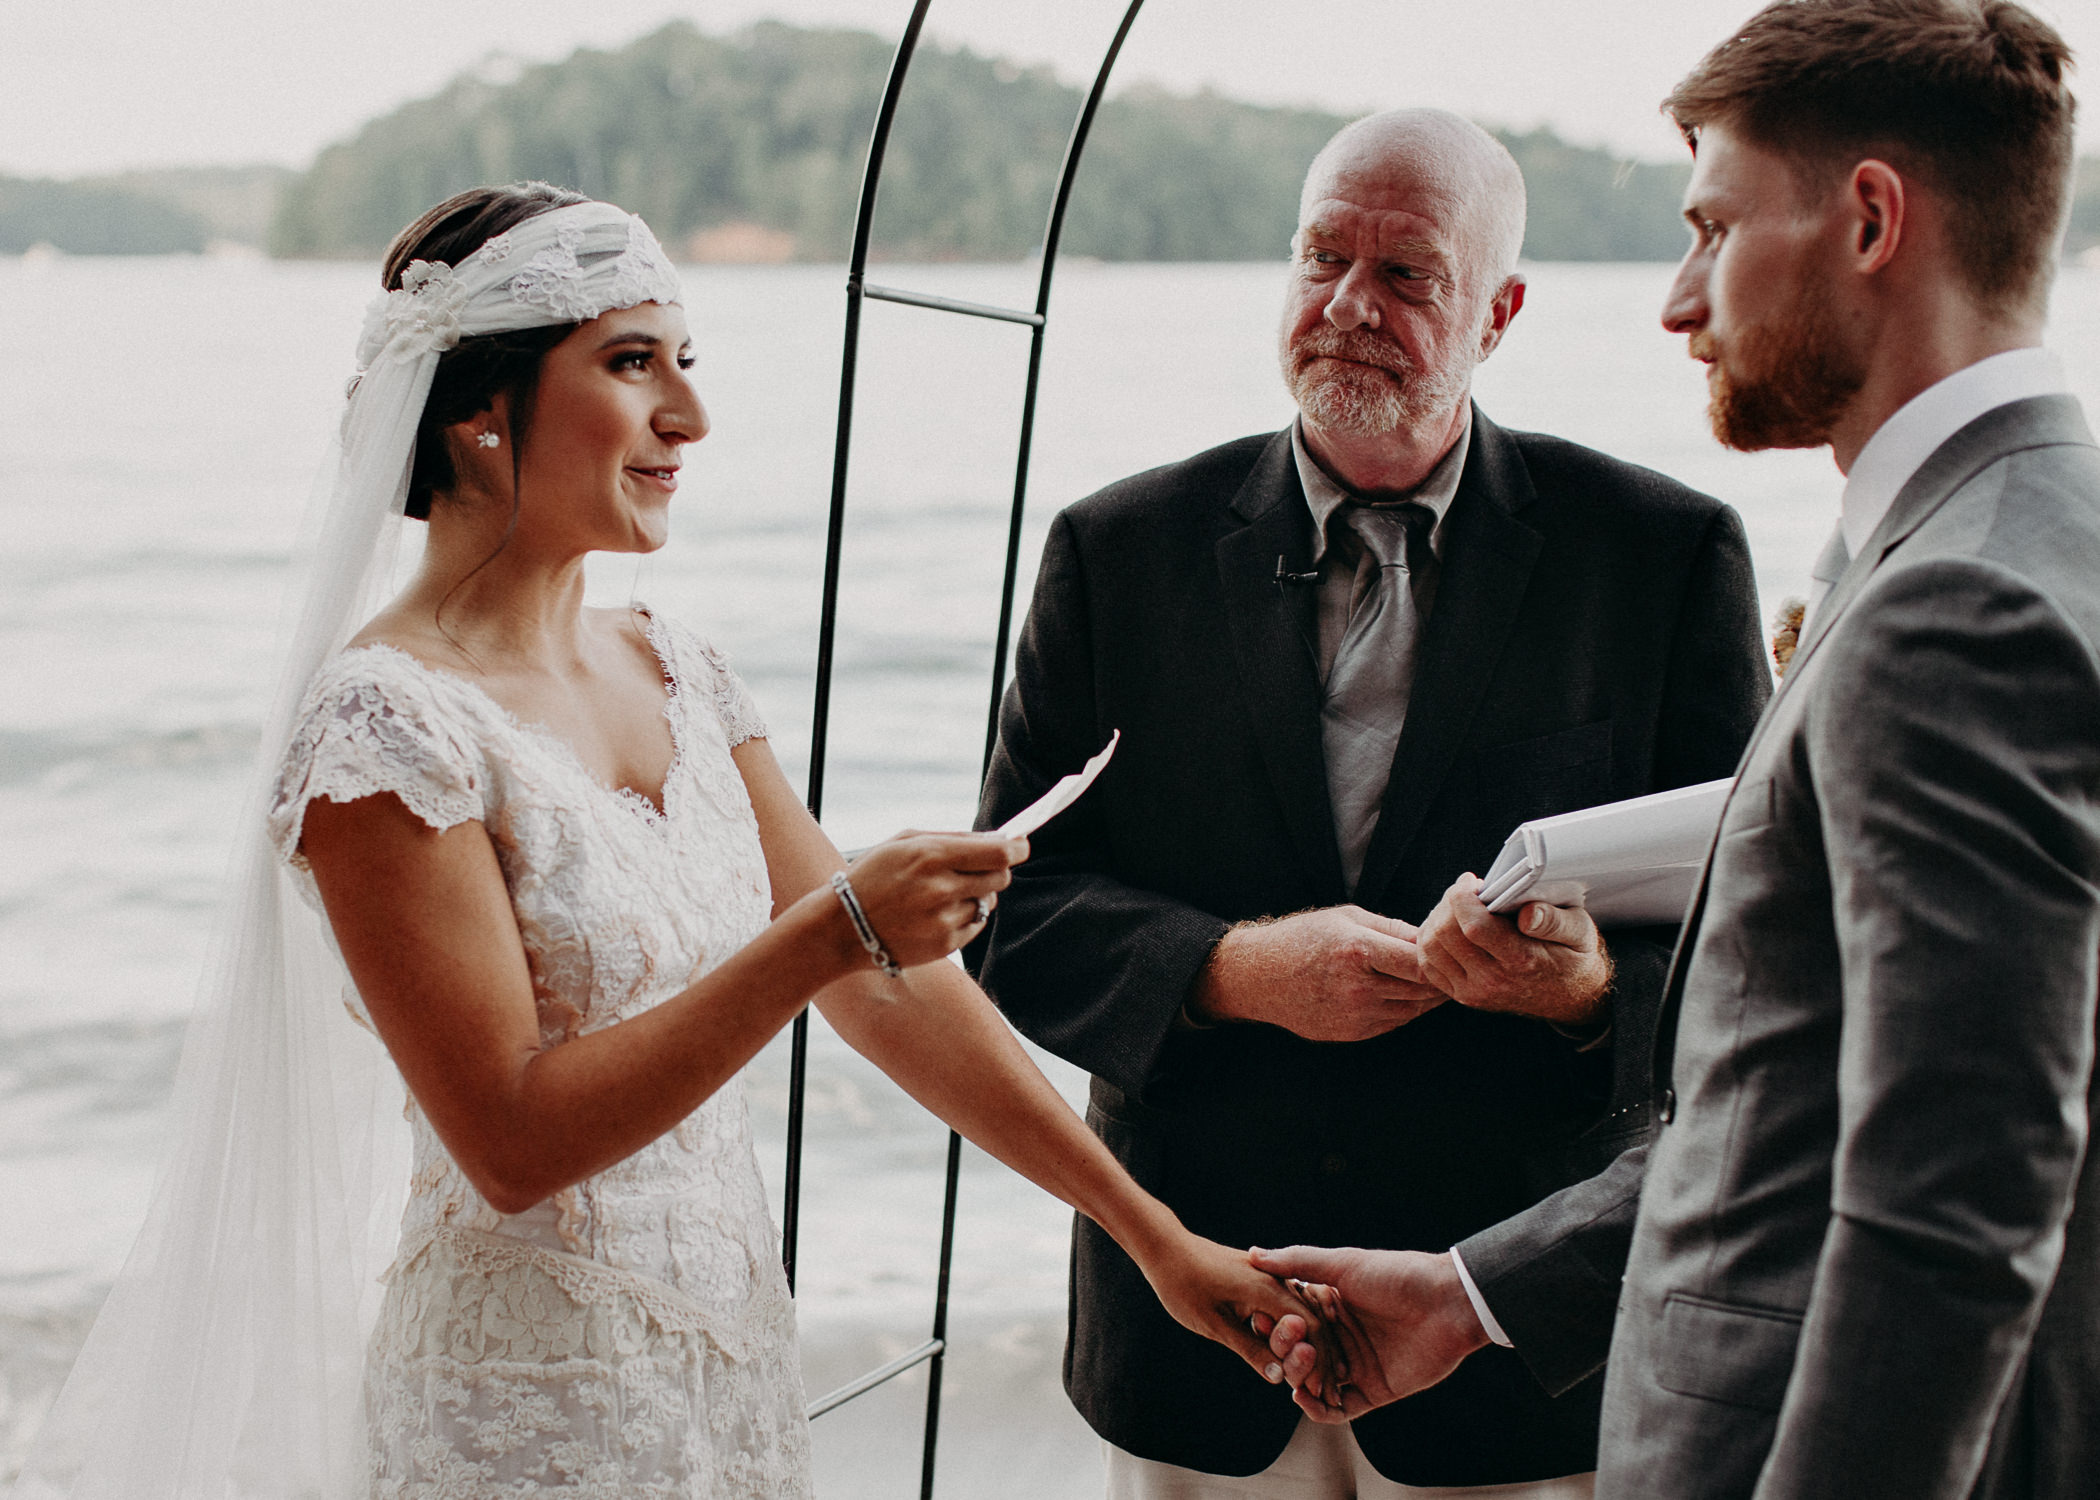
(488, 440)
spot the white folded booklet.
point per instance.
(1627, 862)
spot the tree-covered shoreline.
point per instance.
(748, 147)
(715, 139)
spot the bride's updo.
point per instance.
(471, 376)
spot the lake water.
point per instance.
(159, 425)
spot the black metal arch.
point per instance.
(858, 290)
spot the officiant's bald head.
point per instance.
(1404, 278)
(1437, 154)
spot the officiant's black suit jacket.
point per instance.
(1594, 637)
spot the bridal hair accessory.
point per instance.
(843, 889)
(421, 316)
(228, 1359)
(488, 439)
(553, 268)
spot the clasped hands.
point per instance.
(1344, 974)
(1396, 1322)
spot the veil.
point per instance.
(228, 1360)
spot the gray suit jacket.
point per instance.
(1866, 1261)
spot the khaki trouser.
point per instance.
(1321, 1463)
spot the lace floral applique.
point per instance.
(641, 273)
(554, 280)
(420, 315)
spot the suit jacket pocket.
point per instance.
(1722, 1351)
(1554, 773)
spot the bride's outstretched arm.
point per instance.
(424, 921)
(937, 1035)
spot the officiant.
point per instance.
(1347, 659)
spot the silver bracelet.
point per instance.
(843, 889)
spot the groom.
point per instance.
(1866, 1259)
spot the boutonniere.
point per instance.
(1786, 631)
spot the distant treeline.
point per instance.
(749, 147)
(752, 144)
(170, 212)
(93, 218)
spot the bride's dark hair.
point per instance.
(471, 376)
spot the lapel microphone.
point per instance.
(1285, 576)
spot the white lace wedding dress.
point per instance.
(633, 1335)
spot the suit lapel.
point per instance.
(2036, 422)
(1485, 569)
(2039, 421)
(1278, 676)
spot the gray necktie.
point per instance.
(1828, 568)
(1373, 669)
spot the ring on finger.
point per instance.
(984, 908)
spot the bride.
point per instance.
(573, 894)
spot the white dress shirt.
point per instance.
(1901, 445)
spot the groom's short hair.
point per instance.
(1970, 98)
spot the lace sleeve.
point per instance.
(734, 704)
(367, 730)
(701, 667)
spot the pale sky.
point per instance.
(99, 85)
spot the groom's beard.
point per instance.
(1784, 384)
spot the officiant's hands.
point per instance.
(1340, 974)
(1544, 961)
(1399, 1321)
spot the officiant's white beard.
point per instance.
(1381, 392)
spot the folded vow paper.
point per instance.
(1061, 796)
(1627, 862)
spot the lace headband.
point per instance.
(565, 266)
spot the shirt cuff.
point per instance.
(1488, 1324)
